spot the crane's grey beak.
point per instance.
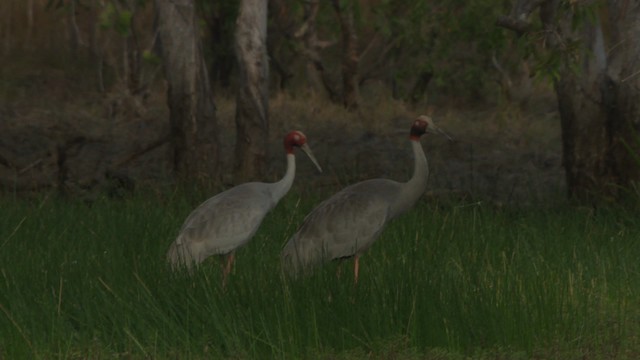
(436, 130)
(309, 153)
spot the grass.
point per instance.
(446, 281)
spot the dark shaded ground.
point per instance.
(88, 143)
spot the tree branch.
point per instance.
(517, 20)
(520, 27)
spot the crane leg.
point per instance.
(356, 267)
(227, 267)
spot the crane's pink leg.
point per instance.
(356, 267)
(227, 267)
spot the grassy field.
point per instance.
(446, 281)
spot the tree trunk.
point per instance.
(599, 103)
(7, 21)
(349, 54)
(134, 62)
(280, 31)
(95, 53)
(74, 32)
(620, 91)
(252, 113)
(318, 81)
(315, 68)
(192, 110)
(220, 41)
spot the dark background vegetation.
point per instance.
(530, 89)
(83, 100)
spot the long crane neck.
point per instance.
(280, 188)
(415, 187)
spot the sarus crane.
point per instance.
(229, 220)
(347, 224)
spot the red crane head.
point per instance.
(422, 125)
(295, 139)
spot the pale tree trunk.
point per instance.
(252, 108)
(349, 54)
(192, 110)
(599, 103)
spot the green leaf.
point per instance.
(105, 17)
(123, 23)
(150, 57)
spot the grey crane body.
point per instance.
(229, 220)
(344, 225)
(223, 223)
(350, 221)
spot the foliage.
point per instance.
(453, 40)
(119, 20)
(90, 281)
(554, 46)
(632, 147)
(464, 41)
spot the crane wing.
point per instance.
(227, 220)
(343, 225)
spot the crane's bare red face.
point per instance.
(424, 124)
(419, 127)
(297, 139)
(294, 139)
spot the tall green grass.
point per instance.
(444, 281)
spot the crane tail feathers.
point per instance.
(179, 256)
(297, 258)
